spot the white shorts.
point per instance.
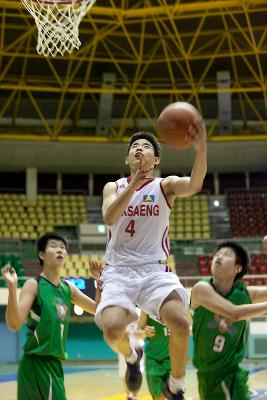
(146, 286)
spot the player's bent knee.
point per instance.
(180, 327)
(113, 333)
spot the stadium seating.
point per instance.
(189, 219)
(248, 213)
(22, 219)
(76, 265)
(204, 263)
(258, 267)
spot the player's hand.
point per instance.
(149, 331)
(100, 283)
(143, 168)
(197, 134)
(9, 274)
(95, 268)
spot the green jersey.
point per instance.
(48, 320)
(219, 345)
(157, 346)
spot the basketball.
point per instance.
(173, 124)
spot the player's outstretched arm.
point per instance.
(187, 186)
(17, 310)
(204, 295)
(81, 300)
(114, 205)
(257, 293)
(95, 270)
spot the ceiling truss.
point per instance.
(160, 50)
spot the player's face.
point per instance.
(141, 148)
(55, 253)
(224, 264)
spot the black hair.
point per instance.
(43, 240)
(241, 255)
(149, 137)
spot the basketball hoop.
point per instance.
(58, 24)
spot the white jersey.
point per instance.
(142, 233)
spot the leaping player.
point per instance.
(136, 210)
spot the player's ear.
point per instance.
(157, 161)
(126, 160)
(239, 268)
(41, 255)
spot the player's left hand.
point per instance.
(95, 268)
(144, 167)
(149, 331)
(9, 274)
(197, 134)
(100, 283)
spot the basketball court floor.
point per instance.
(99, 381)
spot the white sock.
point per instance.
(132, 358)
(176, 384)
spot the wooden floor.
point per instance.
(101, 382)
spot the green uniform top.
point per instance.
(48, 320)
(157, 346)
(218, 344)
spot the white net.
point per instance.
(58, 24)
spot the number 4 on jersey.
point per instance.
(130, 228)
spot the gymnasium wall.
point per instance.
(9, 344)
(85, 342)
(224, 156)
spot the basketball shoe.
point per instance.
(173, 396)
(133, 375)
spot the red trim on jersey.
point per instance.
(108, 236)
(167, 268)
(144, 184)
(164, 195)
(165, 242)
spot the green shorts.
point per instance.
(229, 386)
(40, 378)
(157, 373)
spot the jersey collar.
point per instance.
(129, 179)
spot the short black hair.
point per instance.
(241, 255)
(149, 137)
(44, 239)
